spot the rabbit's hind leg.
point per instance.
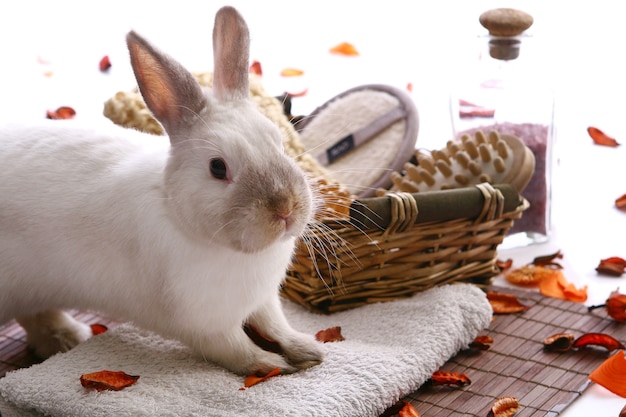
(53, 331)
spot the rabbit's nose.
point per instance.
(285, 216)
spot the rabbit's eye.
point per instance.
(218, 168)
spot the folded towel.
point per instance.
(389, 350)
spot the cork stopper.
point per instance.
(505, 26)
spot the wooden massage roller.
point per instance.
(496, 159)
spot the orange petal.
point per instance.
(449, 378)
(255, 379)
(601, 138)
(620, 202)
(502, 303)
(108, 380)
(291, 72)
(344, 48)
(408, 410)
(611, 374)
(556, 286)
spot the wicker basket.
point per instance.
(401, 244)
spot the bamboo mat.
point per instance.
(516, 364)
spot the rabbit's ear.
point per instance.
(231, 49)
(170, 91)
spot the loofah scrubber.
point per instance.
(496, 159)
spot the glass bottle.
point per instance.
(506, 93)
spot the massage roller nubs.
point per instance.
(496, 159)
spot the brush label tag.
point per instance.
(340, 148)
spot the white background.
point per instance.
(578, 45)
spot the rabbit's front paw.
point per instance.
(303, 351)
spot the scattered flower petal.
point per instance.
(252, 380)
(614, 266)
(332, 334)
(344, 48)
(504, 407)
(108, 380)
(598, 339)
(548, 260)
(620, 202)
(449, 378)
(481, 343)
(408, 410)
(505, 303)
(261, 340)
(97, 329)
(611, 374)
(255, 68)
(105, 63)
(557, 286)
(503, 265)
(601, 138)
(63, 112)
(291, 72)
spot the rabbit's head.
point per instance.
(227, 180)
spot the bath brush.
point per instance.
(495, 158)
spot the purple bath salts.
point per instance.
(535, 136)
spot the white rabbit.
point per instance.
(187, 235)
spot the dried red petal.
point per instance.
(255, 68)
(598, 339)
(614, 266)
(503, 265)
(620, 202)
(601, 138)
(610, 268)
(332, 334)
(97, 329)
(560, 342)
(504, 407)
(548, 260)
(481, 343)
(261, 340)
(505, 303)
(63, 112)
(108, 380)
(449, 378)
(255, 379)
(105, 63)
(408, 410)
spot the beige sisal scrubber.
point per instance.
(129, 110)
(496, 159)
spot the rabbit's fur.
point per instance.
(189, 237)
